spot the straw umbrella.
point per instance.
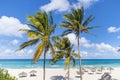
(110, 68)
(102, 68)
(22, 74)
(33, 73)
(93, 69)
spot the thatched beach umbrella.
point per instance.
(101, 68)
(93, 69)
(110, 68)
(22, 74)
(33, 73)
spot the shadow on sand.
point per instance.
(57, 77)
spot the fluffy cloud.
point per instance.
(65, 5)
(85, 3)
(83, 41)
(7, 53)
(72, 38)
(9, 26)
(59, 5)
(113, 29)
(101, 47)
(84, 53)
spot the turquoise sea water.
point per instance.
(27, 63)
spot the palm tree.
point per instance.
(41, 27)
(64, 50)
(75, 24)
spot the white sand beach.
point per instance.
(55, 74)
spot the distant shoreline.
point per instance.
(27, 63)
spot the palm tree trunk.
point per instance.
(80, 64)
(44, 65)
(68, 72)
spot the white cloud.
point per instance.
(72, 38)
(102, 47)
(83, 41)
(84, 53)
(85, 3)
(113, 29)
(9, 26)
(65, 5)
(14, 42)
(59, 5)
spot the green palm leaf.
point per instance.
(67, 62)
(73, 61)
(32, 34)
(88, 20)
(38, 52)
(29, 43)
(76, 55)
(67, 32)
(36, 22)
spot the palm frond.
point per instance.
(33, 26)
(67, 62)
(29, 43)
(66, 32)
(73, 61)
(45, 17)
(92, 27)
(58, 56)
(66, 24)
(51, 29)
(52, 50)
(81, 13)
(38, 24)
(51, 18)
(76, 55)
(68, 17)
(88, 20)
(38, 52)
(32, 34)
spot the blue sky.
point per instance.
(13, 16)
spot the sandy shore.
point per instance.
(59, 73)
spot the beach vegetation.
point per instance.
(6, 76)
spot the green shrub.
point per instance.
(6, 76)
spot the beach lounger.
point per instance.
(106, 76)
(78, 72)
(98, 72)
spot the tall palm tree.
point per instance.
(75, 24)
(41, 27)
(64, 50)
